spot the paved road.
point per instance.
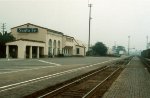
(57, 70)
(19, 64)
(134, 82)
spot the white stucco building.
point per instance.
(33, 41)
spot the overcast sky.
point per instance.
(113, 20)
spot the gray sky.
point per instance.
(113, 20)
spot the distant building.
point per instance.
(33, 41)
(118, 50)
(109, 51)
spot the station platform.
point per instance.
(133, 82)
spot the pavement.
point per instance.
(134, 82)
(7, 65)
(29, 72)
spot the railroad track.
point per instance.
(146, 62)
(94, 83)
(87, 86)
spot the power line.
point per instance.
(3, 28)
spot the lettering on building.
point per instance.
(27, 30)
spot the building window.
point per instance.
(77, 50)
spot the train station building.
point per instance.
(33, 41)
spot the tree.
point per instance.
(120, 48)
(99, 49)
(4, 38)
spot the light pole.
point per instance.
(147, 42)
(128, 45)
(89, 5)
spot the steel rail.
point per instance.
(88, 94)
(60, 88)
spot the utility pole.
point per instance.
(147, 42)
(128, 45)
(90, 6)
(3, 28)
(115, 44)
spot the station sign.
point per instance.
(27, 30)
